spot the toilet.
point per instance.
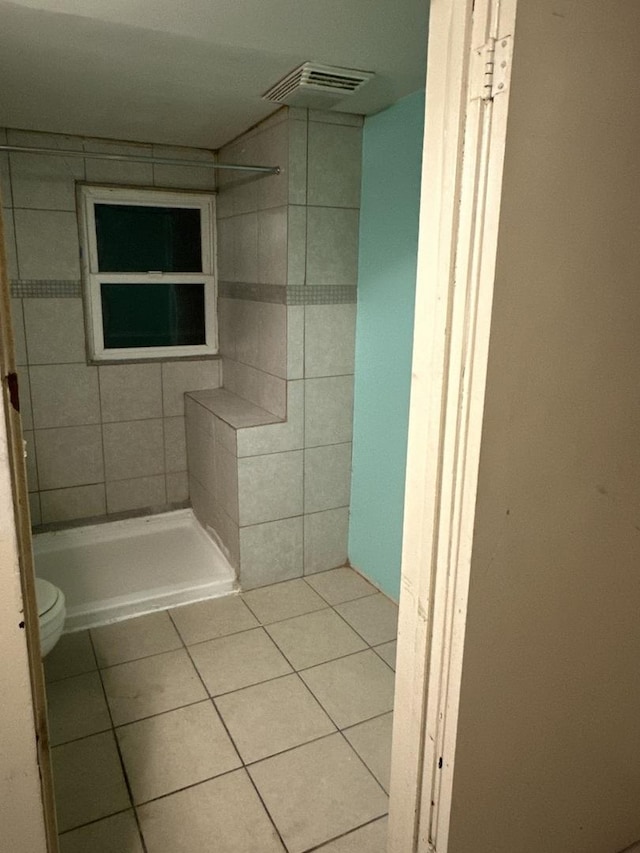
(51, 613)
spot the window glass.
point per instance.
(152, 315)
(140, 238)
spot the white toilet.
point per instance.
(51, 612)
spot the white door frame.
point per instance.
(461, 184)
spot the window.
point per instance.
(148, 262)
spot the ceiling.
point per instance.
(192, 72)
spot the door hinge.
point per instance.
(492, 69)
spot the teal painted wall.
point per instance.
(391, 164)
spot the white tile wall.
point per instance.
(64, 395)
(270, 487)
(133, 449)
(55, 331)
(47, 242)
(328, 410)
(130, 391)
(269, 551)
(332, 246)
(72, 503)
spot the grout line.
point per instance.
(120, 756)
(319, 848)
(97, 820)
(233, 743)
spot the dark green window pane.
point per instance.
(152, 315)
(136, 238)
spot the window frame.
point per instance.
(91, 194)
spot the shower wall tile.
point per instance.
(335, 157)
(178, 377)
(50, 338)
(115, 172)
(327, 475)
(73, 503)
(264, 390)
(130, 392)
(271, 552)
(246, 248)
(325, 539)
(64, 395)
(200, 454)
(273, 150)
(184, 177)
(5, 181)
(254, 333)
(328, 410)
(329, 339)
(47, 242)
(137, 493)
(295, 341)
(34, 508)
(30, 460)
(175, 445)
(332, 246)
(272, 246)
(54, 331)
(41, 182)
(69, 456)
(19, 338)
(133, 449)
(270, 487)
(11, 252)
(177, 487)
(24, 391)
(297, 162)
(297, 245)
(275, 438)
(225, 482)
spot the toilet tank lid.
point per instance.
(46, 595)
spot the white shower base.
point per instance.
(121, 569)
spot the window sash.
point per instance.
(90, 196)
(100, 352)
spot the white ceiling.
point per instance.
(191, 72)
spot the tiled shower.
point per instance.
(266, 453)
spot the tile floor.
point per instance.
(249, 724)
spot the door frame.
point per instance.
(463, 156)
(21, 646)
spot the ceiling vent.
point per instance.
(317, 86)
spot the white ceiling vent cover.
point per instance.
(317, 86)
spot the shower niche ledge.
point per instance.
(245, 469)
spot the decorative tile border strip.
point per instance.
(46, 288)
(326, 294)
(293, 295)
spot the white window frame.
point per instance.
(88, 197)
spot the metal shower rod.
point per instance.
(135, 158)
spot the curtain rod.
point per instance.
(135, 158)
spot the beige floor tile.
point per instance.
(371, 838)
(387, 652)
(76, 708)
(88, 780)
(272, 717)
(150, 686)
(317, 792)
(283, 601)
(375, 618)
(135, 638)
(315, 638)
(352, 689)
(338, 585)
(173, 750)
(230, 663)
(207, 620)
(224, 815)
(372, 742)
(116, 834)
(72, 655)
